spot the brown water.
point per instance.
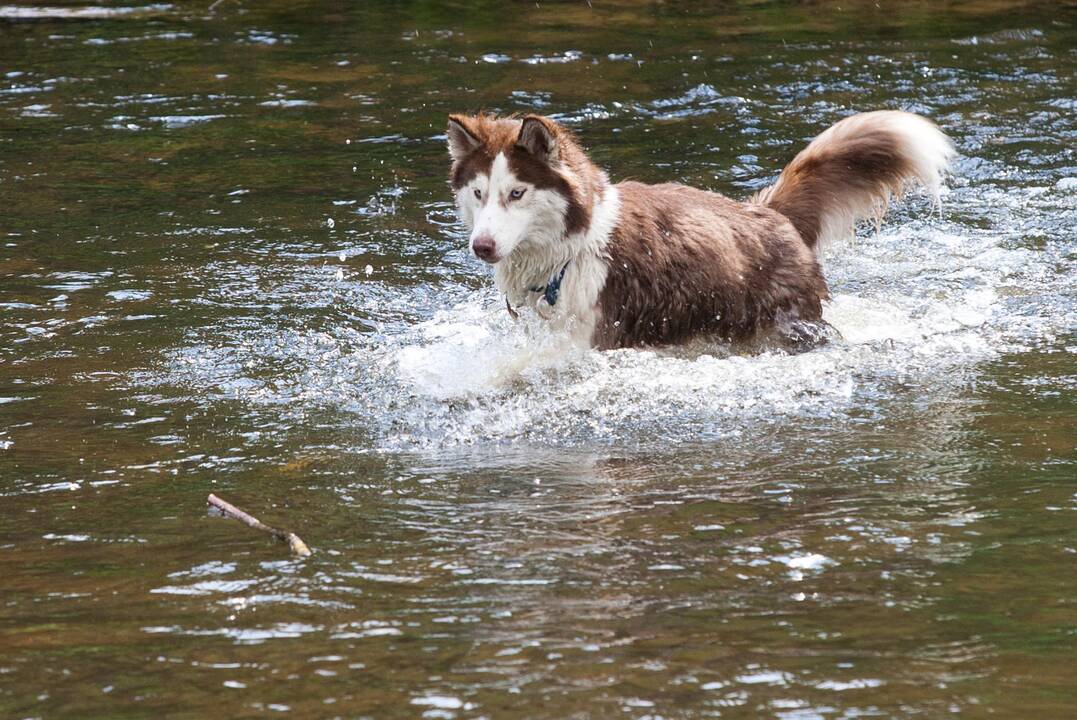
(228, 264)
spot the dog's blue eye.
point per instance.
(517, 193)
(478, 193)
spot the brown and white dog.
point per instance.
(630, 264)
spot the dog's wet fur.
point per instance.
(656, 265)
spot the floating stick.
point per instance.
(294, 542)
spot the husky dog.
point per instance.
(636, 265)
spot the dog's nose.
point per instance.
(485, 248)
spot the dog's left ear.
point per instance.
(538, 136)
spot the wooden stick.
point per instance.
(298, 546)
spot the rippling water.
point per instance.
(229, 264)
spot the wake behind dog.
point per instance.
(637, 265)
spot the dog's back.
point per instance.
(686, 261)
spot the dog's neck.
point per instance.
(535, 264)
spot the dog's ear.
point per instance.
(462, 139)
(538, 136)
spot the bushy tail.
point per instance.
(851, 171)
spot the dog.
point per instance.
(620, 265)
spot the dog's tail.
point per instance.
(851, 171)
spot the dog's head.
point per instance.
(517, 182)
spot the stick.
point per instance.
(298, 546)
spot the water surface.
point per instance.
(229, 264)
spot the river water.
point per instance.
(229, 264)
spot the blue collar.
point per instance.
(552, 288)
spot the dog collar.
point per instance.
(552, 288)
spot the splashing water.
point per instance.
(921, 302)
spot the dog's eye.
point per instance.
(478, 193)
(517, 193)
